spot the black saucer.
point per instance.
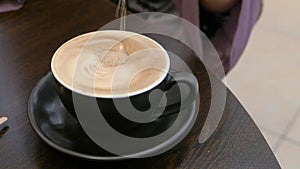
(51, 121)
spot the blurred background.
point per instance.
(266, 80)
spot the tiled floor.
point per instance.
(267, 79)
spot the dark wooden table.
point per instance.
(29, 37)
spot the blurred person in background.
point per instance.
(227, 23)
(10, 5)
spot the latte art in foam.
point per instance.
(115, 56)
(107, 63)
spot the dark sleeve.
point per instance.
(165, 6)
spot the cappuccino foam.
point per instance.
(108, 63)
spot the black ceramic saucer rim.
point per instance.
(56, 146)
(47, 140)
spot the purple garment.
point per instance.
(231, 39)
(10, 5)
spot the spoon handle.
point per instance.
(3, 120)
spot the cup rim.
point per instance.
(111, 95)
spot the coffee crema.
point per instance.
(110, 63)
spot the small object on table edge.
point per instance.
(3, 120)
